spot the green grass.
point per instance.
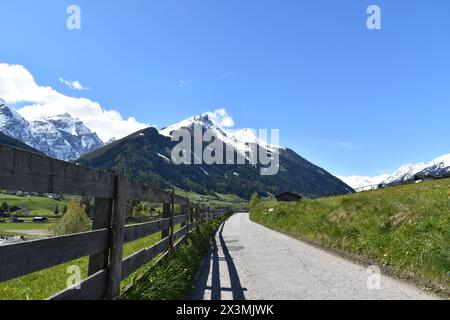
(43, 284)
(172, 279)
(407, 227)
(221, 199)
(37, 206)
(24, 226)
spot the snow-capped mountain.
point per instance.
(147, 156)
(439, 167)
(81, 139)
(238, 139)
(60, 136)
(14, 125)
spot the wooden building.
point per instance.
(288, 197)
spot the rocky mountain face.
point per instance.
(8, 141)
(60, 136)
(146, 155)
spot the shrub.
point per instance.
(254, 201)
(74, 221)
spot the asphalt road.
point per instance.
(249, 262)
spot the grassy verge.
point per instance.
(172, 279)
(406, 228)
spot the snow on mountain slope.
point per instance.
(76, 133)
(439, 167)
(50, 141)
(59, 136)
(236, 138)
(357, 182)
(14, 125)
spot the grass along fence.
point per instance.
(29, 172)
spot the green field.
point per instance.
(406, 228)
(218, 200)
(37, 206)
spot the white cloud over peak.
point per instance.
(222, 118)
(75, 85)
(18, 86)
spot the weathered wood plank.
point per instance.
(116, 245)
(179, 219)
(101, 220)
(137, 260)
(23, 258)
(92, 288)
(138, 231)
(140, 192)
(182, 201)
(181, 232)
(26, 171)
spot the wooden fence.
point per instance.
(29, 172)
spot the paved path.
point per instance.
(249, 261)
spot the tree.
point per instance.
(56, 211)
(254, 201)
(5, 207)
(64, 210)
(74, 221)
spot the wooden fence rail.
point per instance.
(29, 172)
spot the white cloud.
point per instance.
(222, 117)
(229, 74)
(17, 85)
(181, 84)
(75, 85)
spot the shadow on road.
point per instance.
(211, 269)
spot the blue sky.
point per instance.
(352, 100)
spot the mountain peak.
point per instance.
(63, 116)
(60, 136)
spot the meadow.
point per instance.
(37, 206)
(406, 228)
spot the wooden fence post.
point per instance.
(172, 213)
(185, 211)
(189, 220)
(101, 220)
(166, 215)
(118, 224)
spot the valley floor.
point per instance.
(249, 261)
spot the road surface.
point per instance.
(249, 261)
